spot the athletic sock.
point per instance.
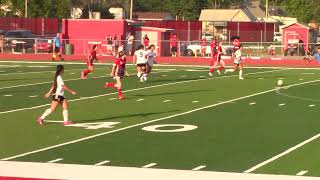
(240, 73)
(46, 113)
(212, 70)
(65, 115)
(86, 72)
(221, 68)
(119, 92)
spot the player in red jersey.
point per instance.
(92, 56)
(216, 58)
(118, 72)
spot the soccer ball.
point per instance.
(280, 82)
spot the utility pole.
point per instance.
(131, 9)
(267, 8)
(25, 8)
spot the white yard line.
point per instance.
(282, 154)
(253, 103)
(39, 72)
(301, 173)
(282, 104)
(199, 168)
(47, 82)
(151, 121)
(55, 160)
(166, 100)
(101, 163)
(138, 100)
(149, 165)
(149, 87)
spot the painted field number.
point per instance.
(170, 128)
(97, 125)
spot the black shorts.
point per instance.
(120, 73)
(56, 49)
(142, 65)
(59, 99)
(173, 49)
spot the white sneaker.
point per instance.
(241, 78)
(210, 74)
(219, 72)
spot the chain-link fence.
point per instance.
(108, 47)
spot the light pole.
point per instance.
(25, 8)
(267, 8)
(131, 8)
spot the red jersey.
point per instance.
(120, 67)
(219, 50)
(174, 41)
(92, 56)
(146, 41)
(213, 46)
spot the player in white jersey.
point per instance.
(57, 92)
(237, 62)
(140, 60)
(151, 60)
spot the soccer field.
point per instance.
(181, 119)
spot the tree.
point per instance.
(97, 7)
(305, 11)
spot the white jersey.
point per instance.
(60, 89)
(151, 57)
(238, 59)
(140, 56)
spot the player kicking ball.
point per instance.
(217, 60)
(118, 72)
(139, 59)
(57, 93)
(92, 56)
(237, 63)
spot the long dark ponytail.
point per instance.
(60, 68)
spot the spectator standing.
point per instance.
(317, 56)
(146, 41)
(203, 45)
(130, 39)
(57, 48)
(1, 43)
(116, 44)
(174, 45)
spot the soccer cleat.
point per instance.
(67, 123)
(241, 78)
(121, 98)
(83, 76)
(219, 72)
(210, 74)
(40, 121)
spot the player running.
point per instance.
(237, 62)
(151, 60)
(139, 59)
(118, 72)
(56, 48)
(216, 58)
(92, 56)
(57, 92)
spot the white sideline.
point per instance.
(199, 168)
(149, 165)
(156, 65)
(151, 121)
(282, 154)
(55, 160)
(88, 172)
(101, 163)
(301, 173)
(137, 89)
